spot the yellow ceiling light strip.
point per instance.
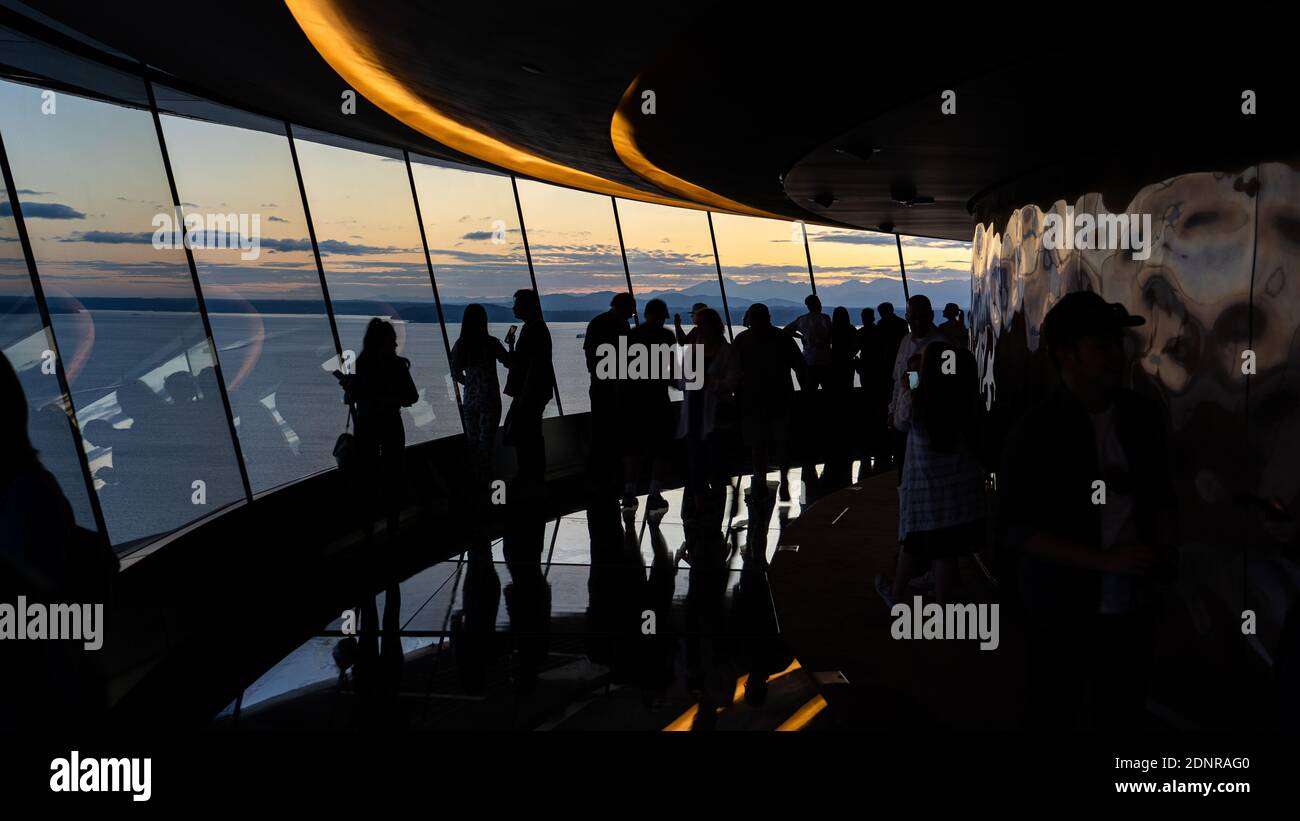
(348, 53)
(623, 136)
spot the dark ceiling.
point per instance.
(810, 112)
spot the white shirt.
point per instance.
(816, 332)
(900, 406)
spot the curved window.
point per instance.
(28, 346)
(121, 297)
(855, 270)
(579, 267)
(263, 295)
(762, 260)
(670, 256)
(939, 269)
(471, 223)
(361, 208)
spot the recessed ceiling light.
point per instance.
(825, 199)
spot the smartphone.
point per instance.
(510, 335)
(913, 379)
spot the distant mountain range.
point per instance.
(783, 298)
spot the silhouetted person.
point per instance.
(706, 411)
(835, 408)
(380, 388)
(953, 326)
(530, 386)
(920, 317)
(814, 331)
(45, 685)
(607, 447)
(765, 356)
(648, 421)
(1087, 561)
(890, 330)
(941, 506)
(866, 345)
(474, 360)
(689, 337)
(844, 348)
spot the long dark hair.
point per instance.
(842, 330)
(946, 403)
(380, 341)
(13, 422)
(473, 335)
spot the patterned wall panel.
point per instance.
(1218, 278)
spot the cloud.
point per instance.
(43, 210)
(27, 192)
(850, 238)
(274, 218)
(109, 238)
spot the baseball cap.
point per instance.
(1082, 313)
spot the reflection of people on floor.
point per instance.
(1087, 501)
(941, 499)
(709, 654)
(762, 652)
(377, 672)
(474, 360)
(473, 629)
(648, 421)
(614, 589)
(528, 595)
(380, 388)
(530, 385)
(765, 355)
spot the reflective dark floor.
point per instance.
(603, 619)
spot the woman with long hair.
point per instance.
(474, 360)
(708, 410)
(941, 497)
(844, 346)
(381, 387)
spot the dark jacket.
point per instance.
(532, 377)
(765, 355)
(1049, 462)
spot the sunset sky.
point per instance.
(91, 182)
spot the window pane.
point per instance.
(855, 270)
(940, 269)
(124, 311)
(25, 342)
(764, 261)
(263, 298)
(472, 225)
(374, 263)
(670, 255)
(579, 267)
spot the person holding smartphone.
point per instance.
(920, 317)
(530, 386)
(941, 497)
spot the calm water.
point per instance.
(148, 447)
